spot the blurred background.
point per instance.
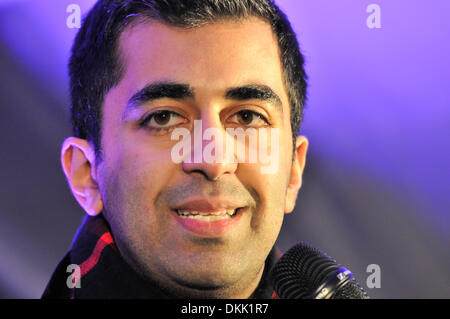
(377, 182)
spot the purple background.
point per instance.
(376, 187)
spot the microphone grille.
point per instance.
(352, 290)
(303, 268)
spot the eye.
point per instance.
(162, 119)
(249, 118)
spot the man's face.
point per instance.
(144, 189)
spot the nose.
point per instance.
(209, 156)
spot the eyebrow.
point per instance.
(179, 91)
(160, 90)
(259, 92)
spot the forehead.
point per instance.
(209, 58)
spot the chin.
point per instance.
(209, 278)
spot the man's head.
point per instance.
(140, 69)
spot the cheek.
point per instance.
(132, 182)
(270, 190)
(273, 175)
(271, 186)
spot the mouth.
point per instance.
(209, 224)
(207, 216)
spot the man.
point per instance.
(142, 70)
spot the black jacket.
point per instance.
(105, 275)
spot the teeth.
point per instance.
(207, 216)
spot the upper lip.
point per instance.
(207, 205)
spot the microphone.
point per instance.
(305, 272)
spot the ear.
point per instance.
(78, 162)
(295, 181)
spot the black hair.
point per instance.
(95, 65)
